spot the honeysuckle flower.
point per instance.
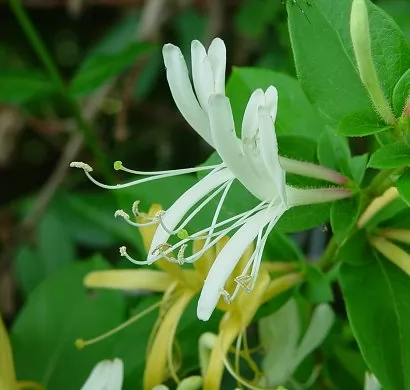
(8, 380)
(253, 160)
(179, 286)
(280, 337)
(106, 375)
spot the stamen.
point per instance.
(246, 282)
(80, 343)
(81, 165)
(123, 253)
(121, 213)
(118, 166)
(225, 295)
(180, 256)
(135, 210)
(196, 210)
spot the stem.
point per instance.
(380, 182)
(326, 260)
(34, 38)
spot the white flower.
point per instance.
(253, 160)
(106, 375)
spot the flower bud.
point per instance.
(360, 34)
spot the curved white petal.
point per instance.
(229, 148)
(202, 74)
(106, 373)
(217, 58)
(270, 154)
(227, 259)
(182, 92)
(116, 375)
(271, 96)
(181, 206)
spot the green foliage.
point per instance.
(18, 86)
(58, 312)
(376, 298)
(393, 155)
(323, 51)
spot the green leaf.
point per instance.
(333, 152)
(388, 212)
(394, 155)
(376, 296)
(401, 93)
(302, 218)
(343, 216)
(295, 114)
(358, 166)
(57, 313)
(18, 86)
(54, 249)
(99, 68)
(325, 60)
(281, 247)
(359, 124)
(317, 288)
(403, 186)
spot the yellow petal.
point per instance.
(281, 284)
(7, 373)
(203, 264)
(400, 235)
(234, 322)
(147, 232)
(392, 252)
(155, 368)
(138, 279)
(377, 204)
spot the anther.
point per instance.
(246, 282)
(118, 165)
(158, 215)
(160, 249)
(180, 256)
(226, 296)
(81, 165)
(123, 251)
(135, 210)
(121, 213)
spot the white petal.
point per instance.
(270, 155)
(202, 75)
(181, 206)
(228, 146)
(320, 324)
(226, 261)
(250, 122)
(182, 92)
(116, 375)
(217, 58)
(98, 377)
(271, 96)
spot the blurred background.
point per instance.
(108, 55)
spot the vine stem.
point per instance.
(328, 256)
(40, 49)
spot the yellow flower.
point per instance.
(179, 286)
(8, 379)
